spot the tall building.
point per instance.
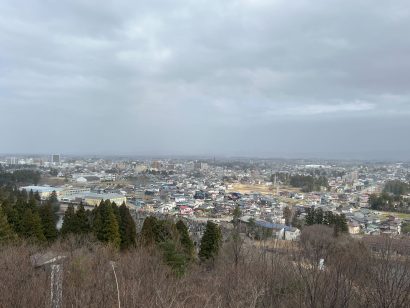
(200, 166)
(55, 158)
(12, 160)
(156, 165)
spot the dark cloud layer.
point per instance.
(245, 77)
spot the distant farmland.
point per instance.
(260, 188)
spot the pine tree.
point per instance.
(69, 221)
(128, 231)
(148, 231)
(111, 229)
(55, 204)
(185, 240)
(116, 210)
(82, 225)
(210, 242)
(48, 222)
(310, 216)
(13, 217)
(6, 231)
(31, 226)
(106, 225)
(318, 216)
(236, 215)
(173, 258)
(340, 224)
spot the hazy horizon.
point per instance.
(268, 79)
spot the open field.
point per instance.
(399, 215)
(52, 181)
(251, 188)
(260, 188)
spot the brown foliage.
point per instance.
(353, 276)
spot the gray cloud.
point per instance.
(244, 77)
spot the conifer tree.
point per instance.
(69, 221)
(31, 227)
(128, 231)
(185, 240)
(174, 258)
(310, 216)
(210, 242)
(116, 211)
(106, 225)
(149, 231)
(111, 231)
(6, 231)
(82, 224)
(340, 224)
(97, 219)
(13, 217)
(55, 204)
(48, 222)
(318, 214)
(236, 215)
(328, 218)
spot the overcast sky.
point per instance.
(265, 78)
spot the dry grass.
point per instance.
(395, 214)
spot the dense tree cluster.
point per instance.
(308, 183)
(107, 222)
(172, 239)
(19, 176)
(328, 218)
(396, 188)
(389, 202)
(26, 216)
(283, 177)
(23, 215)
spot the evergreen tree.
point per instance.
(318, 216)
(149, 231)
(128, 231)
(310, 216)
(82, 223)
(6, 231)
(185, 240)
(328, 218)
(111, 229)
(173, 258)
(106, 225)
(69, 221)
(13, 217)
(340, 224)
(55, 204)
(48, 222)
(210, 242)
(236, 215)
(96, 224)
(31, 227)
(116, 211)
